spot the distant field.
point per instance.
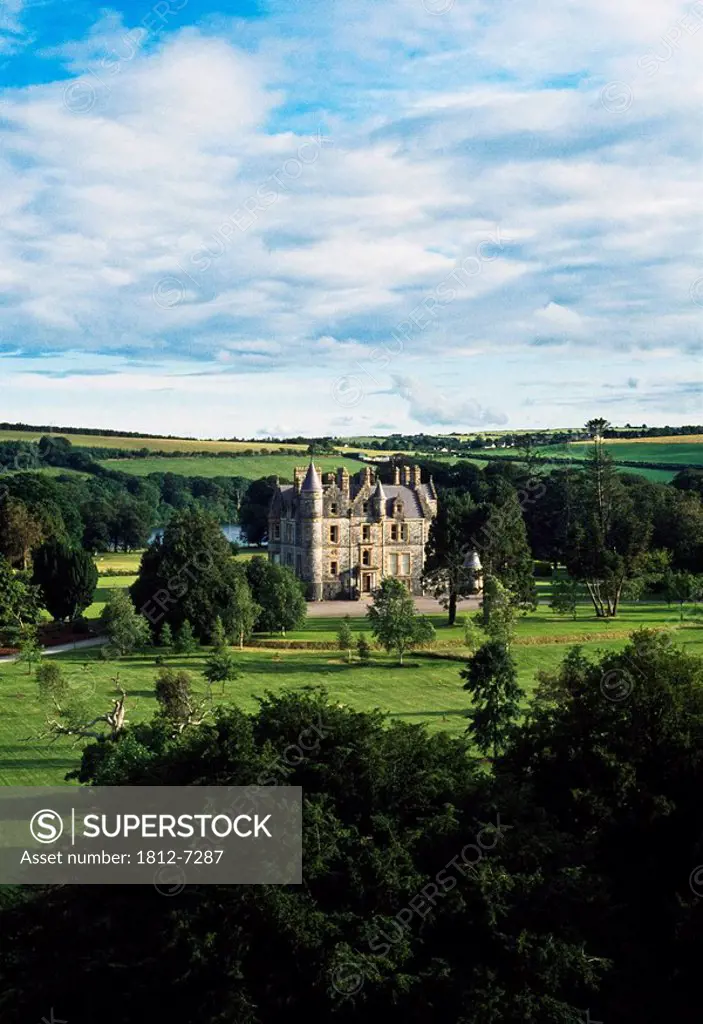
(670, 439)
(684, 449)
(156, 445)
(252, 467)
(129, 561)
(50, 471)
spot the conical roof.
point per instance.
(312, 480)
(379, 492)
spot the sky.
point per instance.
(352, 216)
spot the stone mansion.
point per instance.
(341, 535)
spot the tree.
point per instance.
(473, 635)
(363, 648)
(254, 510)
(500, 537)
(67, 578)
(74, 721)
(445, 574)
(19, 602)
(278, 593)
(565, 595)
(220, 667)
(30, 651)
(189, 574)
(177, 705)
(345, 637)
(491, 679)
(166, 638)
(497, 616)
(51, 683)
(609, 537)
(20, 532)
(245, 610)
(123, 626)
(383, 802)
(597, 427)
(218, 637)
(393, 620)
(681, 587)
(186, 642)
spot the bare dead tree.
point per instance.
(68, 722)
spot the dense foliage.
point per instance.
(567, 879)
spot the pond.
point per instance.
(232, 531)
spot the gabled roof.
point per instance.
(407, 496)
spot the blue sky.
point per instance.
(352, 216)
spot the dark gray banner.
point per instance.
(167, 836)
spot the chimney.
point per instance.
(415, 476)
(396, 475)
(298, 477)
(404, 475)
(343, 481)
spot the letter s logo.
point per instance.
(46, 826)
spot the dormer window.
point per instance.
(334, 534)
(365, 508)
(366, 533)
(333, 508)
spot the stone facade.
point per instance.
(341, 535)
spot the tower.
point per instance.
(311, 528)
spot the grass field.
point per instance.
(680, 450)
(252, 467)
(155, 444)
(430, 693)
(428, 690)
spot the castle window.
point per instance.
(366, 533)
(333, 568)
(394, 531)
(365, 508)
(289, 558)
(333, 508)
(394, 565)
(334, 534)
(403, 532)
(276, 531)
(298, 565)
(405, 565)
(366, 557)
(289, 533)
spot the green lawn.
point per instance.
(542, 626)
(431, 693)
(252, 467)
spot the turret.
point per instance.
(379, 500)
(311, 523)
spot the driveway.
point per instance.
(357, 609)
(96, 641)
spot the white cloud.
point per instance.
(124, 197)
(432, 408)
